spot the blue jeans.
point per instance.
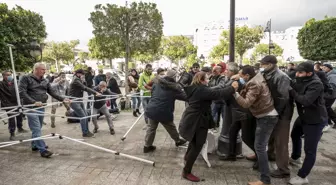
(265, 126)
(216, 110)
(80, 111)
(312, 135)
(145, 102)
(136, 102)
(35, 123)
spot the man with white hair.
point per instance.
(33, 90)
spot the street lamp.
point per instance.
(35, 50)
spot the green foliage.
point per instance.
(83, 56)
(101, 66)
(19, 27)
(316, 40)
(262, 50)
(246, 61)
(191, 59)
(177, 48)
(80, 66)
(222, 48)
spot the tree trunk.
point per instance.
(127, 58)
(56, 66)
(241, 59)
(111, 66)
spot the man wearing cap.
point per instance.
(161, 107)
(186, 78)
(76, 90)
(330, 94)
(279, 83)
(307, 92)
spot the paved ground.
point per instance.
(79, 164)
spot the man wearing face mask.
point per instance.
(76, 90)
(308, 95)
(100, 107)
(8, 99)
(144, 79)
(279, 83)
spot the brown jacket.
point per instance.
(256, 96)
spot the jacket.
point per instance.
(89, 79)
(60, 89)
(77, 88)
(256, 96)
(218, 81)
(7, 94)
(308, 96)
(330, 91)
(34, 90)
(278, 83)
(133, 83)
(113, 86)
(198, 113)
(99, 78)
(100, 104)
(186, 78)
(162, 103)
(143, 81)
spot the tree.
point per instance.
(245, 39)
(316, 40)
(132, 29)
(177, 48)
(19, 27)
(263, 50)
(56, 52)
(82, 56)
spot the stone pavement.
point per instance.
(79, 164)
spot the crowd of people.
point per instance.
(260, 100)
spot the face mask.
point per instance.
(302, 78)
(262, 69)
(242, 81)
(9, 78)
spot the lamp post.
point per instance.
(232, 30)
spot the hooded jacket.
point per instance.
(331, 91)
(162, 103)
(7, 94)
(198, 113)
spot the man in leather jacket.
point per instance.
(279, 83)
(33, 90)
(186, 78)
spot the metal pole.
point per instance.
(270, 39)
(136, 121)
(15, 80)
(232, 30)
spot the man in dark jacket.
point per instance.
(279, 83)
(8, 99)
(308, 95)
(100, 77)
(330, 94)
(76, 90)
(160, 109)
(187, 77)
(33, 90)
(89, 75)
(291, 70)
(113, 86)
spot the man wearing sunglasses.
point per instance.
(186, 78)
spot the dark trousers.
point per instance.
(11, 122)
(312, 135)
(248, 135)
(331, 113)
(194, 148)
(114, 105)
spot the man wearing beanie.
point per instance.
(186, 78)
(307, 92)
(279, 83)
(330, 94)
(160, 109)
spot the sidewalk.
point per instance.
(75, 163)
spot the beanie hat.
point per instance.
(306, 67)
(171, 73)
(328, 66)
(269, 59)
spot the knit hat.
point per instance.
(171, 73)
(328, 66)
(81, 71)
(306, 67)
(269, 59)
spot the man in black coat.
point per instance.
(113, 86)
(187, 77)
(8, 99)
(160, 109)
(308, 95)
(291, 70)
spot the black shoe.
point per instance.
(112, 132)
(95, 130)
(34, 149)
(135, 114)
(89, 134)
(255, 166)
(180, 142)
(148, 149)
(21, 130)
(279, 174)
(137, 111)
(229, 158)
(12, 137)
(46, 154)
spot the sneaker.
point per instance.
(326, 128)
(46, 154)
(148, 149)
(21, 130)
(112, 132)
(298, 181)
(180, 142)
(190, 177)
(135, 114)
(35, 149)
(279, 174)
(95, 130)
(297, 162)
(89, 134)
